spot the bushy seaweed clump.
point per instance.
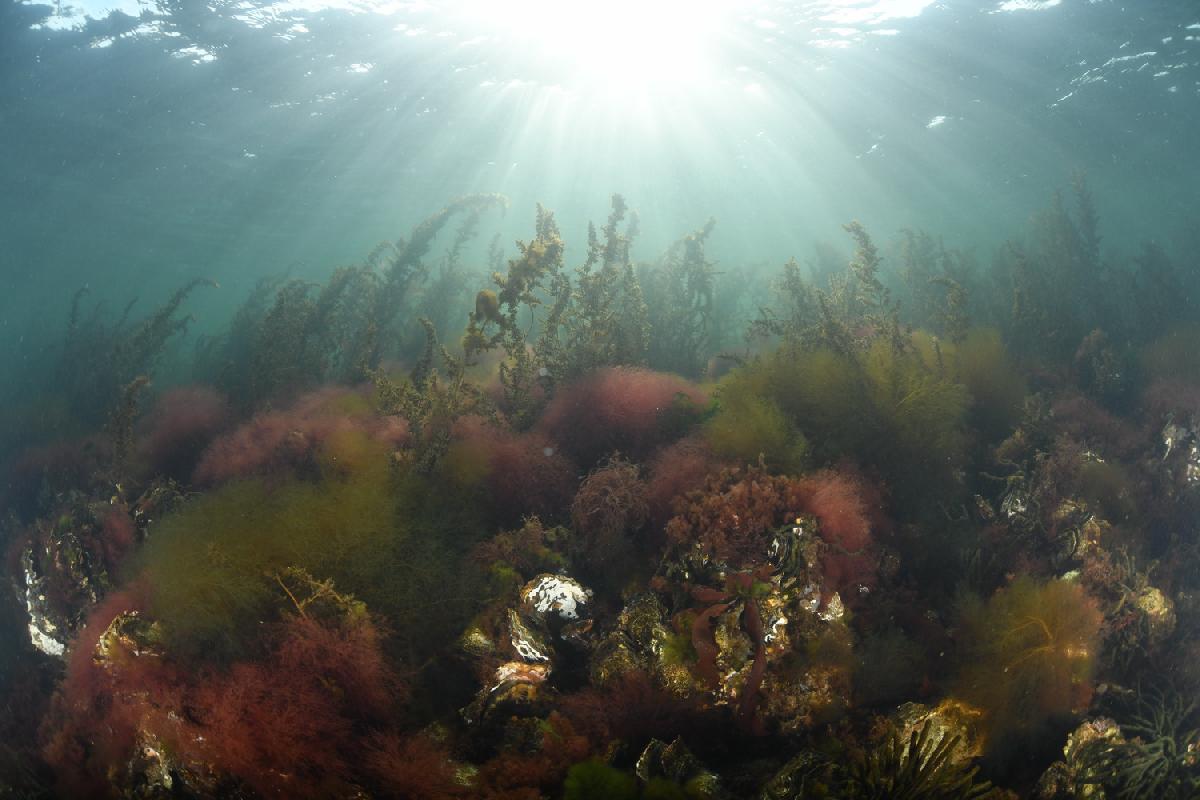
(733, 519)
(627, 410)
(1028, 657)
(881, 408)
(280, 724)
(609, 507)
(210, 569)
(595, 780)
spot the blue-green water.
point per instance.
(1036, 351)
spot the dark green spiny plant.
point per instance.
(120, 427)
(935, 285)
(919, 768)
(1161, 758)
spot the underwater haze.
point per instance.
(564, 399)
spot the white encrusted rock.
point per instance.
(557, 596)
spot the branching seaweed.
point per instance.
(680, 292)
(847, 316)
(98, 360)
(341, 330)
(120, 426)
(496, 320)
(936, 281)
(429, 401)
(607, 325)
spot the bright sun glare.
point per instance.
(616, 43)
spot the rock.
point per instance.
(518, 689)
(1159, 612)
(800, 777)
(1181, 451)
(555, 598)
(1061, 781)
(949, 718)
(47, 630)
(150, 770)
(797, 701)
(475, 642)
(675, 763)
(129, 634)
(552, 609)
(528, 642)
(641, 640)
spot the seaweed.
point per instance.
(1060, 285)
(246, 612)
(428, 402)
(607, 322)
(293, 335)
(853, 311)
(748, 425)
(936, 283)
(1028, 656)
(919, 768)
(496, 320)
(609, 507)
(377, 531)
(980, 362)
(120, 427)
(595, 780)
(97, 358)
(881, 407)
(1159, 761)
(680, 300)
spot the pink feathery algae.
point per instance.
(621, 409)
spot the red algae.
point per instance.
(317, 424)
(674, 471)
(522, 474)
(182, 423)
(629, 410)
(837, 501)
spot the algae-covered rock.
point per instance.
(950, 718)
(641, 639)
(476, 643)
(675, 763)
(1064, 779)
(1159, 612)
(552, 612)
(807, 774)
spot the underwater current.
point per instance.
(520, 399)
